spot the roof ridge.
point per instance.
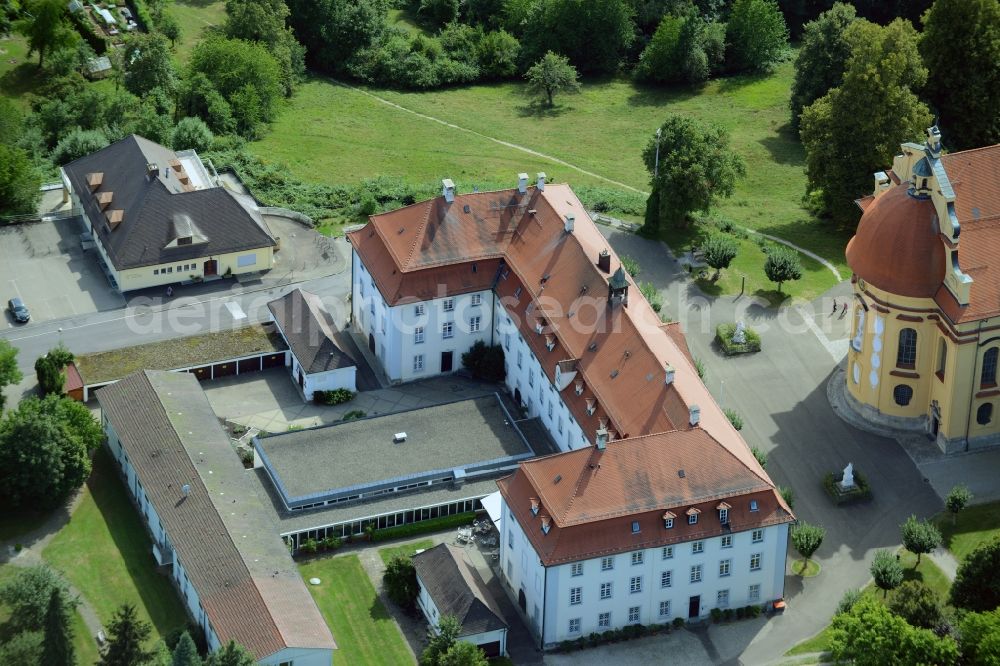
(215, 509)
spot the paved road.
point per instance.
(781, 394)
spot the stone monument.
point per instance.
(740, 334)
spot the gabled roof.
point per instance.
(150, 207)
(457, 589)
(246, 580)
(593, 496)
(309, 331)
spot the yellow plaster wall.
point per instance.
(142, 278)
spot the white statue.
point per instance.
(740, 334)
(848, 480)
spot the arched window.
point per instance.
(985, 413)
(902, 394)
(988, 377)
(906, 355)
(942, 357)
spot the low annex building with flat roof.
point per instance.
(158, 217)
(208, 526)
(612, 531)
(925, 349)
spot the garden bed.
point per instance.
(860, 491)
(724, 336)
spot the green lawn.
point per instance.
(976, 524)
(403, 18)
(407, 549)
(928, 573)
(365, 632)
(194, 16)
(85, 644)
(105, 552)
(18, 74)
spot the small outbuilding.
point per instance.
(450, 585)
(98, 68)
(318, 363)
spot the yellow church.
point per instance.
(926, 328)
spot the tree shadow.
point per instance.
(784, 147)
(774, 297)
(22, 79)
(648, 95)
(201, 4)
(539, 109)
(737, 82)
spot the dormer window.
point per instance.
(534, 506)
(635, 527)
(753, 505)
(184, 241)
(579, 388)
(550, 342)
(591, 406)
(545, 525)
(723, 510)
(539, 326)
(692, 515)
(668, 520)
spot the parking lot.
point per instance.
(44, 265)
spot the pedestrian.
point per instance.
(834, 311)
(170, 292)
(844, 311)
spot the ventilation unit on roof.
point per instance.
(695, 415)
(522, 182)
(569, 223)
(448, 190)
(601, 439)
(669, 374)
(399, 438)
(540, 181)
(466, 208)
(680, 473)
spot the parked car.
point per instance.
(18, 310)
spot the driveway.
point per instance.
(781, 395)
(43, 263)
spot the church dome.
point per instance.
(897, 247)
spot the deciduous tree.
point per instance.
(28, 593)
(917, 604)
(856, 128)
(757, 36)
(46, 25)
(961, 48)
(886, 571)
(497, 54)
(979, 638)
(127, 635)
(440, 641)
(822, 57)
(192, 133)
(19, 182)
(957, 499)
(550, 75)
(244, 73)
(593, 34)
(334, 30)
(782, 265)
(148, 64)
(719, 251)
(919, 537)
(400, 580)
(696, 168)
(78, 143)
(463, 653)
(870, 635)
(231, 654)
(9, 372)
(977, 582)
(807, 538)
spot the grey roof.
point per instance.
(457, 589)
(221, 530)
(151, 206)
(309, 331)
(477, 436)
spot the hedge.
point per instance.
(86, 30)
(724, 336)
(862, 490)
(424, 526)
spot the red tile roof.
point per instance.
(551, 276)
(898, 248)
(593, 496)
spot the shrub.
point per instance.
(724, 336)
(886, 571)
(734, 418)
(788, 495)
(917, 604)
(847, 601)
(485, 362)
(861, 491)
(77, 143)
(631, 266)
(760, 455)
(699, 365)
(652, 294)
(334, 397)
(354, 414)
(309, 546)
(400, 580)
(807, 538)
(192, 133)
(678, 622)
(716, 614)
(497, 54)
(727, 614)
(977, 583)
(719, 252)
(740, 613)
(424, 526)
(754, 611)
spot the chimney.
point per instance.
(934, 142)
(522, 182)
(541, 181)
(534, 506)
(695, 412)
(152, 169)
(570, 222)
(669, 377)
(882, 183)
(604, 261)
(602, 439)
(448, 190)
(545, 525)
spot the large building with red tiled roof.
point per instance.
(926, 263)
(656, 507)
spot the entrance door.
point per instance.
(446, 361)
(934, 426)
(211, 267)
(371, 343)
(302, 379)
(522, 601)
(694, 606)
(517, 396)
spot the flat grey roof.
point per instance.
(471, 435)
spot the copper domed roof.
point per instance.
(897, 247)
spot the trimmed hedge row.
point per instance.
(862, 491)
(424, 526)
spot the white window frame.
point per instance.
(475, 324)
(753, 592)
(635, 585)
(758, 536)
(576, 569)
(418, 363)
(722, 599)
(725, 568)
(637, 557)
(665, 608)
(607, 590)
(575, 596)
(727, 541)
(607, 563)
(693, 519)
(418, 335)
(448, 304)
(634, 614)
(667, 578)
(604, 620)
(697, 547)
(574, 625)
(418, 310)
(667, 553)
(755, 560)
(696, 573)
(448, 330)
(477, 299)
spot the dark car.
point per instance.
(18, 310)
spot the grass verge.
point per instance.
(365, 632)
(105, 552)
(975, 525)
(406, 549)
(805, 568)
(193, 17)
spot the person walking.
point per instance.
(834, 311)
